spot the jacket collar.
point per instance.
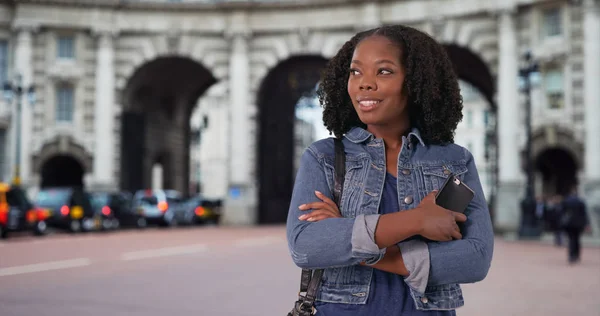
(360, 135)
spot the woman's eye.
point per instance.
(353, 72)
(385, 71)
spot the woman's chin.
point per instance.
(370, 119)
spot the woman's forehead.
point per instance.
(376, 47)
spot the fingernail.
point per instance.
(302, 206)
(310, 219)
(318, 193)
(302, 217)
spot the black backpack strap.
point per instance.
(309, 281)
(340, 171)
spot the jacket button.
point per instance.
(405, 172)
(408, 199)
(424, 300)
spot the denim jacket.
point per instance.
(339, 244)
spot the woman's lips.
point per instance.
(368, 105)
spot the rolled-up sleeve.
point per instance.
(415, 254)
(363, 239)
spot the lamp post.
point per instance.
(13, 90)
(529, 227)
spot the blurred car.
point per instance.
(158, 206)
(206, 211)
(71, 208)
(17, 213)
(116, 211)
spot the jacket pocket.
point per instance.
(435, 176)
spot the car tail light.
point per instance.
(42, 214)
(31, 216)
(64, 210)
(106, 210)
(3, 213)
(199, 211)
(163, 206)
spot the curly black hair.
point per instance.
(434, 100)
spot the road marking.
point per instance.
(45, 266)
(259, 241)
(164, 252)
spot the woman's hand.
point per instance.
(320, 210)
(438, 223)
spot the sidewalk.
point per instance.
(548, 239)
(530, 278)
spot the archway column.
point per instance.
(23, 66)
(591, 31)
(239, 209)
(510, 186)
(104, 112)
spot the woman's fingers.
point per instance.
(456, 235)
(325, 199)
(317, 218)
(317, 215)
(319, 205)
(460, 217)
(313, 206)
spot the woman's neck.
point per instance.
(391, 135)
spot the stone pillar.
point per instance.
(23, 67)
(591, 52)
(371, 16)
(239, 209)
(510, 190)
(104, 112)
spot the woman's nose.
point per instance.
(367, 84)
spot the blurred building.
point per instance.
(474, 133)
(118, 82)
(304, 136)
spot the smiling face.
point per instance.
(376, 81)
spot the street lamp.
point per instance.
(529, 227)
(12, 90)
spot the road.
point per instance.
(246, 271)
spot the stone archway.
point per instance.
(62, 162)
(557, 157)
(278, 95)
(472, 69)
(158, 101)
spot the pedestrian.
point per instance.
(554, 211)
(574, 220)
(392, 96)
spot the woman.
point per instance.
(393, 96)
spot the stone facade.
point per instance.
(238, 43)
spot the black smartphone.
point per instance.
(454, 195)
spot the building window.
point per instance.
(552, 22)
(64, 103)
(66, 47)
(3, 61)
(553, 84)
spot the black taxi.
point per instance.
(17, 213)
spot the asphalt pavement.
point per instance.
(247, 271)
